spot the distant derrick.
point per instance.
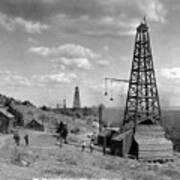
(64, 103)
(142, 104)
(76, 102)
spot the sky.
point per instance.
(47, 47)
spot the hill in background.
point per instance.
(25, 111)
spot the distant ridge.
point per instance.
(172, 108)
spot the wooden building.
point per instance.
(35, 124)
(121, 143)
(148, 143)
(6, 120)
(107, 134)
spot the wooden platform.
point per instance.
(152, 144)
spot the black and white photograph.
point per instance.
(89, 90)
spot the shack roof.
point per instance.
(149, 130)
(113, 128)
(37, 121)
(4, 111)
(151, 134)
(105, 133)
(149, 127)
(121, 136)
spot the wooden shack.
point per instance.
(148, 143)
(107, 133)
(6, 120)
(35, 124)
(121, 143)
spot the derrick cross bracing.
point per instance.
(142, 103)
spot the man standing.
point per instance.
(91, 146)
(83, 145)
(65, 132)
(16, 138)
(26, 139)
(104, 145)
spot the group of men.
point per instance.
(62, 131)
(17, 139)
(91, 145)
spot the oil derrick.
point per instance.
(141, 136)
(64, 103)
(76, 103)
(142, 103)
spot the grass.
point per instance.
(48, 160)
(70, 162)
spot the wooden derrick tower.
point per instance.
(64, 103)
(142, 104)
(76, 102)
(141, 135)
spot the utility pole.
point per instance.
(100, 117)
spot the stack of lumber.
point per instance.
(152, 144)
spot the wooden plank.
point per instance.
(155, 155)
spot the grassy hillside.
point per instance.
(44, 159)
(111, 116)
(51, 119)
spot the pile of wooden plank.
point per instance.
(152, 144)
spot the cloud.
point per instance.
(105, 26)
(66, 50)
(17, 80)
(170, 73)
(13, 79)
(125, 58)
(103, 63)
(32, 40)
(6, 23)
(109, 33)
(68, 55)
(106, 48)
(10, 79)
(81, 63)
(10, 24)
(43, 51)
(42, 9)
(95, 18)
(31, 27)
(154, 9)
(54, 78)
(113, 18)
